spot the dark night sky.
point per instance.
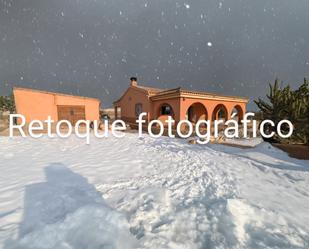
(92, 47)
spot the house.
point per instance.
(38, 105)
(179, 103)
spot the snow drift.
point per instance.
(150, 193)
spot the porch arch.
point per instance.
(220, 112)
(195, 112)
(239, 113)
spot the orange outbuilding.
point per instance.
(179, 103)
(38, 105)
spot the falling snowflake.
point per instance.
(187, 6)
(209, 44)
(81, 35)
(159, 33)
(106, 91)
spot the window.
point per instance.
(166, 110)
(138, 109)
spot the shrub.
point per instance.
(7, 103)
(285, 103)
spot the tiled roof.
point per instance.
(158, 93)
(179, 90)
(161, 92)
(151, 90)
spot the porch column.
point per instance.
(229, 113)
(209, 114)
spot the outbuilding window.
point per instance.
(138, 109)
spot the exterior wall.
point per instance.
(128, 101)
(37, 105)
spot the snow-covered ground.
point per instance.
(150, 193)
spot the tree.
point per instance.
(284, 103)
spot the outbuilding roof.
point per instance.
(53, 93)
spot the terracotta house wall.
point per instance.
(38, 105)
(128, 101)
